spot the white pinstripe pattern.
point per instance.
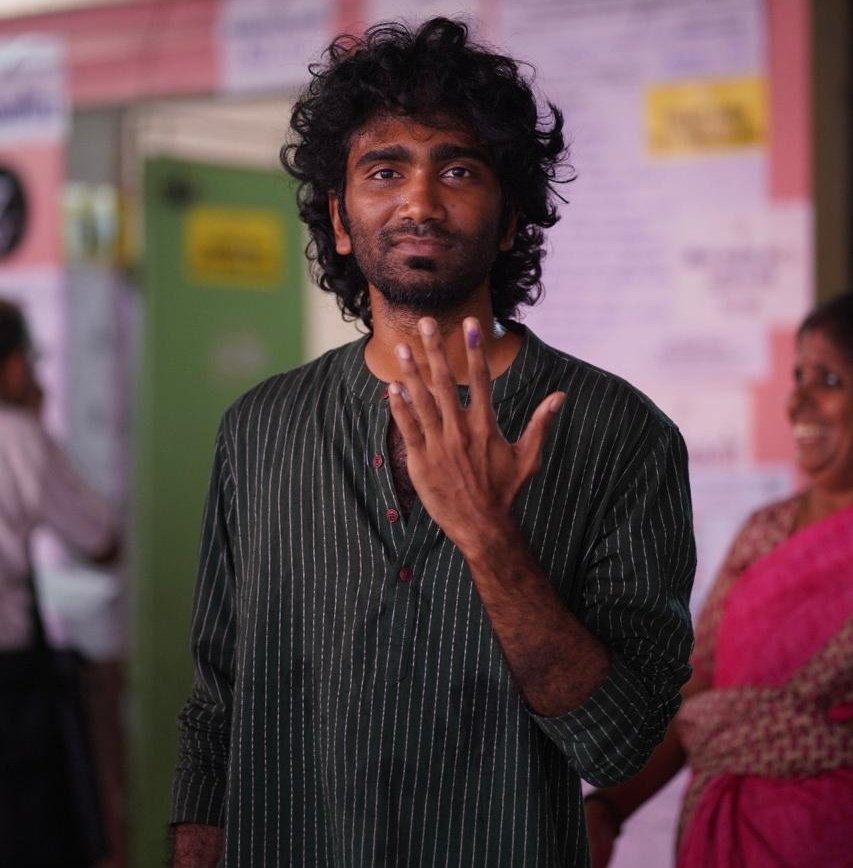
(342, 717)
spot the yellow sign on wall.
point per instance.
(696, 117)
(238, 247)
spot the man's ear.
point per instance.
(507, 238)
(343, 245)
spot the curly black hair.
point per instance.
(434, 74)
(833, 317)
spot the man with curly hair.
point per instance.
(445, 569)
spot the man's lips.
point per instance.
(420, 245)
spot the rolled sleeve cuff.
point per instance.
(198, 798)
(611, 735)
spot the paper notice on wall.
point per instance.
(722, 502)
(734, 267)
(234, 247)
(33, 99)
(706, 115)
(266, 44)
(666, 112)
(714, 418)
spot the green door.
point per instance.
(222, 284)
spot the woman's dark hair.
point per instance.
(433, 74)
(835, 319)
(13, 330)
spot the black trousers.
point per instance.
(49, 814)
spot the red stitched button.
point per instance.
(392, 515)
(406, 574)
(378, 460)
(385, 395)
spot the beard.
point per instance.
(426, 284)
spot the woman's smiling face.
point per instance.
(820, 409)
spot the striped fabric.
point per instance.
(351, 706)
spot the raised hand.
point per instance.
(465, 472)
(467, 476)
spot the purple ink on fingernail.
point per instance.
(473, 336)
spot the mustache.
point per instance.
(390, 235)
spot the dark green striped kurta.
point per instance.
(351, 706)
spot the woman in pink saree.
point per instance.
(767, 721)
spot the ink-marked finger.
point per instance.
(480, 404)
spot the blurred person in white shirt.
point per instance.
(38, 485)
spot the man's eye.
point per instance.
(384, 174)
(458, 172)
(831, 379)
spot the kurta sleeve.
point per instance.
(638, 575)
(198, 794)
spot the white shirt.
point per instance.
(38, 487)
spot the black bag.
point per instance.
(49, 809)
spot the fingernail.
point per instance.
(427, 327)
(556, 403)
(403, 352)
(473, 336)
(396, 388)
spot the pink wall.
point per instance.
(145, 49)
(789, 47)
(789, 40)
(40, 166)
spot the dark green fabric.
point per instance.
(351, 706)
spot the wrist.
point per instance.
(490, 540)
(195, 845)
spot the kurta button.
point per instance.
(392, 515)
(406, 574)
(378, 461)
(385, 395)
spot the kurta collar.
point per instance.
(365, 387)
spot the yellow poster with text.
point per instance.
(238, 247)
(701, 116)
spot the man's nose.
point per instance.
(421, 199)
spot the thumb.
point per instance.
(529, 445)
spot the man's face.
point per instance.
(422, 215)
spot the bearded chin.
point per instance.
(422, 291)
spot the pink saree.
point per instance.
(771, 744)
